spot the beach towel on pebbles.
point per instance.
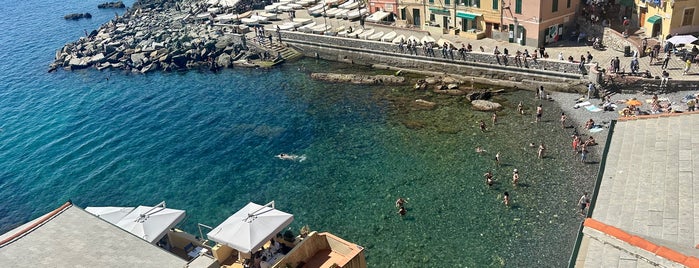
(593, 108)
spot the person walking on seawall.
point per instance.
(666, 60)
(644, 46)
(687, 66)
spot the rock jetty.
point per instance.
(117, 4)
(359, 78)
(160, 35)
(77, 16)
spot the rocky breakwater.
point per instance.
(359, 78)
(154, 35)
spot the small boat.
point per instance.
(316, 7)
(287, 26)
(346, 4)
(306, 3)
(271, 8)
(301, 22)
(398, 38)
(285, 8)
(250, 21)
(260, 19)
(375, 36)
(355, 33)
(342, 14)
(307, 28)
(295, 6)
(427, 39)
(321, 29)
(331, 12)
(366, 34)
(388, 37)
(350, 6)
(342, 33)
(317, 12)
(269, 16)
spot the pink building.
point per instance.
(383, 5)
(537, 22)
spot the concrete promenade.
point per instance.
(645, 211)
(568, 48)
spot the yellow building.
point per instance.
(660, 18)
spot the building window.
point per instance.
(431, 1)
(518, 6)
(496, 26)
(447, 2)
(495, 4)
(472, 3)
(568, 4)
(688, 17)
(554, 7)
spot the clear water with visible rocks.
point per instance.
(206, 143)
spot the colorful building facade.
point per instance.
(660, 18)
(526, 22)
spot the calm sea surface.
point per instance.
(206, 142)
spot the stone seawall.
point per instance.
(553, 74)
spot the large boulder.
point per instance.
(484, 105)
(224, 60)
(99, 58)
(78, 63)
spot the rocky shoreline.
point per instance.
(165, 35)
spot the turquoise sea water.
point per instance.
(206, 142)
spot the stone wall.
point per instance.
(610, 38)
(553, 73)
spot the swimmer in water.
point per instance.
(506, 199)
(400, 202)
(292, 157)
(285, 157)
(479, 150)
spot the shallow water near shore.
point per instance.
(206, 142)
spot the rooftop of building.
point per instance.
(72, 237)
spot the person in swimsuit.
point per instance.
(506, 199)
(402, 211)
(488, 178)
(539, 113)
(515, 177)
(520, 108)
(495, 118)
(563, 120)
(497, 159)
(541, 151)
(481, 124)
(400, 202)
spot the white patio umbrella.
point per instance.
(682, 39)
(151, 223)
(251, 227)
(110, 214)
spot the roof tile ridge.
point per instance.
(36, 224)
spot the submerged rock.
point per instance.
(484, 105)
(77, 16)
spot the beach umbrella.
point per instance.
(110, 214)
(251, 227)
(151, 223)
(682, 39)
